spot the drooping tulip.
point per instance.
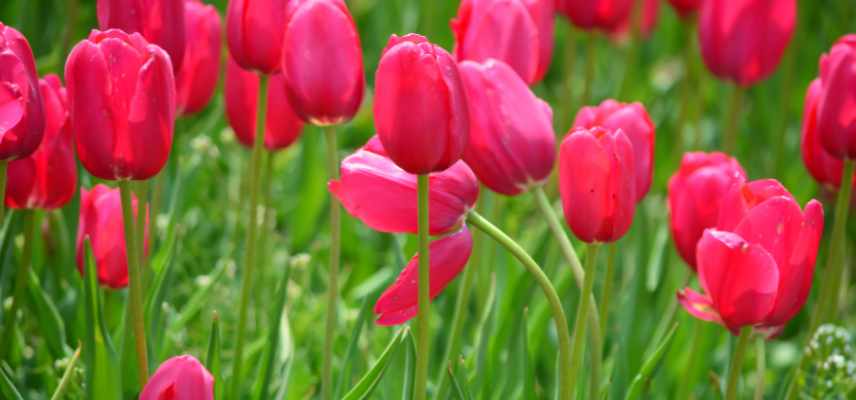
(121, 92)
(22, 120)
(161, 22)
(46, 179)
(197, 77)
(420, 108)
(836, 113)
(101, 221)
(694, 194)
(822, 165)
(322, 61)
(744, 40)
(605, 15)
(180, 378)
(512, 143)
(597, 183)
(517, 32)
(254, 30)
(634, 121)
(686, 8)
(282, 126)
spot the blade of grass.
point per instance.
(103, 380)
(66, 376)
(364, 388)
(51, 326)
(212, 359)
(648, 368)
(7, 387)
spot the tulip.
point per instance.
(322, 61)
(744, 40)
(836, 112)
(686, 8)
(518, 32)
(46, 179)
(22, 121)
(200, 69)
(508, 151)
(606, 15)
(597, 183)
(122, 95)
(650, 13)
(634, 121)
(161, 22)
(694, 194)
(282, 126)
(254, 30)
(823, 166)
(180, 378)
(420, 108)
(101, 222)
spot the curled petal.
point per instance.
(699, 305)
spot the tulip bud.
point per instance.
(322, 61)
(744, 40)
(254, 30)
(634, 121)
(102, 223)
(161, 22)
(512, 144)
(46, 179)
(822, 165)
(694, 194)
(517, 32)
(180, 378)
(836, 118)
(605, 15)
(197, 77)
(597, 183)
(420, 108)
(282, 126)
(121, 93)
(686, 8)
(22, 121)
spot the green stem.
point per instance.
(423, 317)
(686, 385)
(252, 230)
(333, 277)
(135, 295)
(4, 166)
(143, 204)
(565, 388)
(736, 362)
(66, 376)
(21, 277)
(570, 61)
(686, 89)
(580, 323)
(760, 366)
(591, 48)
(733, 123)
(831, 287)
(607, 286)
(266, 228)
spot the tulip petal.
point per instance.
(699, 305)
(11, 108)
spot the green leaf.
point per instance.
(655, 261)
(66, 376)
(461, 392)
(348, 362)
(7, 387)
(51, 326)
(650, 365)
(367, 384)
(273, 346)
(212, 360)
(103, 379)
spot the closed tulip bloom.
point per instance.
(282, 126)
(420, 108)
(597, 183)
(634, 121)
(836, 119)
(322, 61)
(512, 144)
(694, 194)
(517, 32)
(823, 166)
(254, 30)
(180, 378)
(686, 8)
(101, 222)
(744, 40)
(161, 22)
(46, 179)
(22, 121)
(605, 15)
(121, 93)
(197, 77)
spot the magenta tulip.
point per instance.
(197, 77)
(823, 166)
(605, 15)
(180, 378)
(836, 113)
(254, 30)
(161, 22)
(22, 120)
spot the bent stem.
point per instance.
(424, 314)
(565, 388)
(735, 108)
(135, 287)
(333, 277)
(21, 277)
(736, 362)
(582, 313)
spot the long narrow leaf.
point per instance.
(649, 366)
(369, 381)
(51, 325)
(103, 380)
(212, 360)
(66, 376)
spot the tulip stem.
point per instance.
(21, 277)
(760, 366)
(607, 286)
(565, 388)
(252, 230)
(735, 106)
(4, 166)
(688, 382)
(736, 362)
(333, 277)
(135, 296)
(570, 60)
(582, 312)
(591, 53)
(143, 205)
(423, 317)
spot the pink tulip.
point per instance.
(836, 112)
(686, 8)
(22, 120)
(161, 22)
(822, 165)
(254, 31)
(605, 15)
(180, 378)
(197, 77)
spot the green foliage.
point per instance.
(830, 370)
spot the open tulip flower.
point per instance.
(22, 120)
(836, 109)
(254, 33)
(180, 378)
(606, 15)
(161, 22)
(197, 77)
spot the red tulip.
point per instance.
(634, 121)
(597, 183)
(161, 22)
(382, 195)
(420, 108)
(101, 221)
(22, 121)
(180, 378)
(694, 194)
(824, 167)
(197, 78)
(512, 144)
(686, 8)
(836, 113)
(322, 61)
(605, 15)
(122, 95)
(46, 179)
(744, 40)
(282, 126)
(518, 32)
(254, 30)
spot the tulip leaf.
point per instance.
(7, 388)
(367, 384)
(212, 360)
(273, 344)
(647, 370)
(655, 261)
(461, 392)
(350, 353)
(51, 325)
(103, 379)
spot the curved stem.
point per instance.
(830, 290)
(565, 388)
(736, 105)
(760, 366)
(135, 295)
(736, 362)
(423, 317)
(582, 312)
(333, 273)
